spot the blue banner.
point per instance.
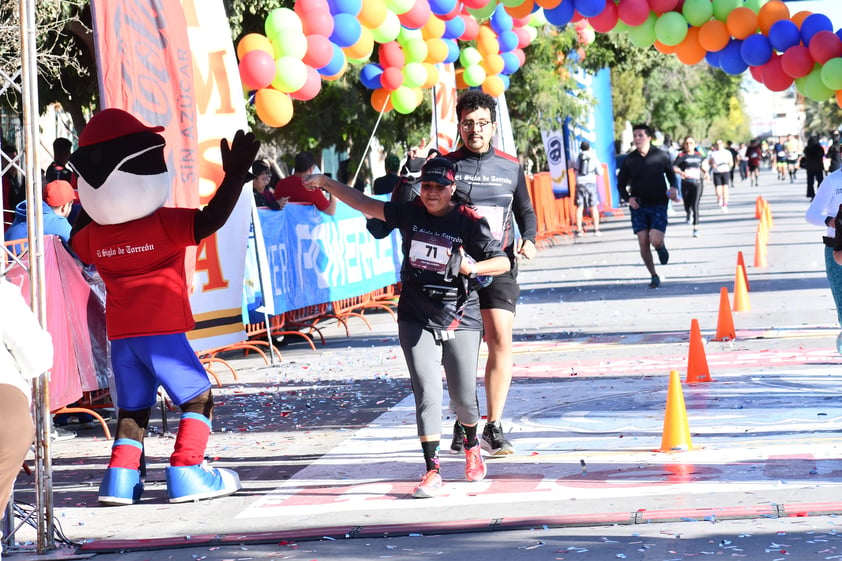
(314, 258)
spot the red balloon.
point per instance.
(773, 75)
(474, 4)
(319, 51)
(302, 6)
(756, 73)
(391, 55)
(577, 17)
(662, 6)
(392, 78)
(316, 22)
(471, 28)
(417, 16)
(607, 20)
(311, 88)
(633, 12)
(257, 69)
(796, 61)
(825, 45)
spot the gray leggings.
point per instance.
(834, 277)
(424, 358)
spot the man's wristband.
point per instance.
(473, 273)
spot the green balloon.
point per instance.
(404, 100)
(815, 88)
(290, 74)
(671, 28)
(474, 75)
(721, 8)
(831, 74)
(399, 6)
(388, 30)
(406, 34)
(415, 50)
(755, 5)
(280, 20)
(538, 19)
(485, 11)
(643, 35)
(697, 12)
(414, 74)
(621, 27)
(289, 44)
(469, 56)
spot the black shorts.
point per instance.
(501, 294)
(722, 178)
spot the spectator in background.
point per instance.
(386, 184)
(587, 168)
(62, 147)
(293, 188)
(834, 157)
(13, 188)
(754, 155)
(813, 164)
(57, 203)
(263, 196)
(722, 165)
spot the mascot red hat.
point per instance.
(138, 247)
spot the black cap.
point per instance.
(439, 170)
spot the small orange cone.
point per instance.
(759, 203)
(741, 303)
(697, 362)
(725, 323)
(760, 248)
(767, 214)
(676, 435)
(742, 265)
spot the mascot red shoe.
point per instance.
(138, 247)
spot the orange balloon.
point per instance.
(769, 13)
(485, 32)
(252, 42)
(799, 17)
(493, 85)
(714, 36)
(460, 79)
(372, 13)
(488, 46)
(689, 51)
(362, 49)
(839, 98)
(379, 96)
(437, 51)
(273, 107)
(548, 4)
(432, 75)
(434, 28)
(493, 64)
(521, 10)
(741, 22)
(666, 49)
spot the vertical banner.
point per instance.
(554, 147)
(504, 138)
(445, 126)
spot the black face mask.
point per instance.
(97, 162)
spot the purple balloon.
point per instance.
(812, 24)
(784, 34)
(756, 50)
(561, 14)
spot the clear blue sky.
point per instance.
(830, 8)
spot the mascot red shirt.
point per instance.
(138, 247)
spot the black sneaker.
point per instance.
(494, 441)
(663, 254)
(656, 281)
(458, 442)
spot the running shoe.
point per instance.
(475, 469)
(663, 254)
(493, 440)
(429, 487)
(656, 281)
(457, 444)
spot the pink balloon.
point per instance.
(315, 22)
(417, 16)
(311, 87)
(391, 55)
(633, 12)
(257, 69)
(796, 61)
(773, 75)
(302, 6)
(607, 20)
(521, 22)
(663, 6)
(825, 45)
(471, 28)
(521, 56)
(392, 78)
(319, 51)
(523, 37)
(474, 4)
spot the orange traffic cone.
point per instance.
(767, 213)
(741, 303)
(676, 435)
(697, 362)
(742, 266)
(759, 203)
(760, 248)
(725, 322)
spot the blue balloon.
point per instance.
(589, 8)
(506, 81)
(712, 58)
(784, 34)
(839, 34)
(370, 76)
(561, 14)
(756, 50)
(442, 7)
(453, 28)
(346, 30)
(336, 63)
(508, 41)
(452, 51)
(730, 59)
(510, 63)
(812, 24)
(352, 7)
(501, 20)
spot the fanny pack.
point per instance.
(440, 293)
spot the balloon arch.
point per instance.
(319, 39)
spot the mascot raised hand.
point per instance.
(138, 247)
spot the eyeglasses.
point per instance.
(471, 125)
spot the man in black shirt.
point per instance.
(643, 180)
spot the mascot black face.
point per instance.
(122, 172)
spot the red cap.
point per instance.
(58, 192)
(112, 123)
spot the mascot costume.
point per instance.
(138, 247)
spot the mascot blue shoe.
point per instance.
(193, 483)
(120, 486)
